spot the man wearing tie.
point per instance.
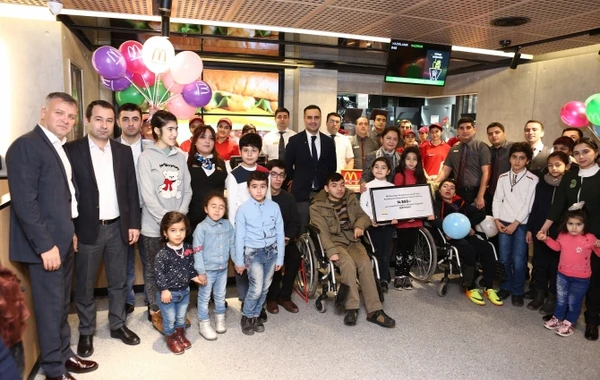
(274, 142)
(309, 158)
(534, 131)
(469, 164)
(43, 206)
(109, 220)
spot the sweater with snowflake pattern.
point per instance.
(172, 270)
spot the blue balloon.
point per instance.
(456, 225)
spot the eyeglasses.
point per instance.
(277, 175)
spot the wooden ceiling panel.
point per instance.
(139, 7)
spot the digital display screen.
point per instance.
(417, 63)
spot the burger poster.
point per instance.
(245, 97)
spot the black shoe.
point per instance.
(127, 336)
(517, 301)
(351, 317)
(257, 324)
(85, 347)
(549, 305)
(538, 301)
(129, 308)
(547, 317)
(77, 365)
(591, 331)
(530, 294)
(263, 316)
(384, 286)
(382, 319)
(503, 294)
(247, 325)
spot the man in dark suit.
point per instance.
(309, 159)
(534, 131)
(109, 220)
(43, 206)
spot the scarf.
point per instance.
(205, 161)
(552, 181)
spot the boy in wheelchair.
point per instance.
(470, 247)
(336, 212)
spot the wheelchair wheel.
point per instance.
(320, 305)
(425, 256)
(307, 282)
(442, 288)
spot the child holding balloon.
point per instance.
(470, 246)
(409, 172)
(545, 260)
(513, 200)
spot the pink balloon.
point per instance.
(573, 114)
(186, 67)
(132, 52)
(178, 107)
(145, 79)
(170, 83)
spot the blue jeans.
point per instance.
(569, 296)
(513, 254)
(131, 271)
(216, 282)
(174, 312)
(260, 265)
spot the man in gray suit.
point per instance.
(43, 207)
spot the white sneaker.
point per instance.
(206, 330)
(220, 326)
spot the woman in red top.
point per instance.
(409, 172)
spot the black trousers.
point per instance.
(470, 249)
(283, 284)
(468, 194)
(51, 293)
(405, 244)
(545, 267)
(592, 298)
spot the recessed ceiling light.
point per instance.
(510, 21)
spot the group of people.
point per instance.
(101, 198)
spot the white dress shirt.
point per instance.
(58, 145)
(343, 150)
(537, 148)
(102, 161)
(271, 143)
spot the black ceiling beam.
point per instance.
(591, 32)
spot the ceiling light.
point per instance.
(510, 21)
(496, 53)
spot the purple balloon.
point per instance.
(118, 84)
(109, 62)
(197, 93)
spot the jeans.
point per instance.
(174, 312)
(216, 282)
(569, 296)
(260, 265)
(131, 271)
(152, 245)
(513, 255)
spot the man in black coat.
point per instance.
(109, 220)
(309, 159)
(43, 205)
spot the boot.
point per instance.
(185, 343)
(206, 330)
(156, 320)
(538, 301)
(220, 326)
(549, 305)
(247, 325)
(173, 344)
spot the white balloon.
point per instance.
(488, 227)
(158, 53)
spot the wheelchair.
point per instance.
(448, 259)
(316, 270)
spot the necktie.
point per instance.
(281, 146)
(315, 158)
(333, 136)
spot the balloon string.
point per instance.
(155, 98)
(172, 97)
(139, 89)
(162, 101)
